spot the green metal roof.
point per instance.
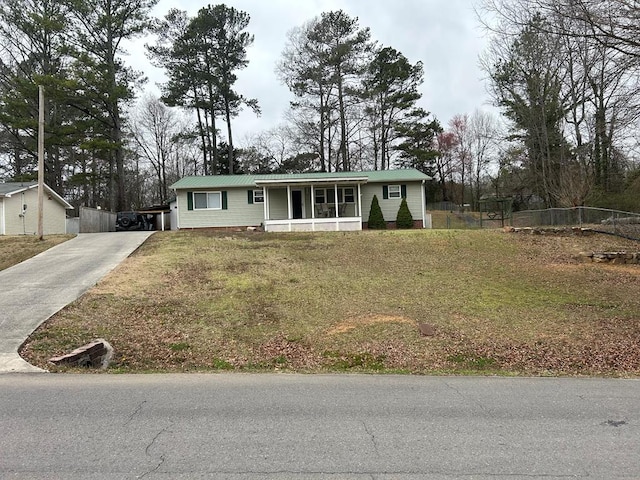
(230, 181)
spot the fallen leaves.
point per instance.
(498, 304)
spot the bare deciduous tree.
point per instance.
(162, 140)
(484, 137)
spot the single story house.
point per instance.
(337, 201)
(19, 210)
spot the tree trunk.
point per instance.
(212, 134)
(202, 131)
(227, 112)
(343, 125)
(322, 127)
(384, 156)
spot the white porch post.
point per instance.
(359, 213)
(265, 205)
(424, 206)
(313, 204)
(289, 206)
(313, 209)
(335, 189)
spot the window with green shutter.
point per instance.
(255, 196)
(393, 191)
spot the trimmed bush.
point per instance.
(376, 220)
(404, 218)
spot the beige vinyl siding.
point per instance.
(54, 214)
(239, 212)
(13, 222)
(390, 206)
(2, 227)
(55, 217)
(278, 205)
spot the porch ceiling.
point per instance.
(311, 181)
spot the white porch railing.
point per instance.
(331, 224)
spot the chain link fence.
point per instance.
(614, 222)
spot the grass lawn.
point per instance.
(16, 249)
(499, 303)
(449, 220)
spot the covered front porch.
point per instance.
(327, 204)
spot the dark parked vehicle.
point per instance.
(131, 221)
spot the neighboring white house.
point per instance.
(298, 202)
(19, 210)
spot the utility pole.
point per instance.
(40, 161)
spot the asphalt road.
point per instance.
(35, 289)
(233, 426)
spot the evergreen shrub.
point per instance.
(404, 219)
(376, 219)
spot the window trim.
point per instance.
(207, 193)
(353, 194)
(258, 195)
(325, 193)
(392, 193)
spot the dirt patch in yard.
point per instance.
(356, 322)
(498, 304)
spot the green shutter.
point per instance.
(189, 200)
(250, 197)
(224, 200)
(403, 191)
(385, 192)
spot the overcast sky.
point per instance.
(444, 34)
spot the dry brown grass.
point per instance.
(18, 248)
(359, 322)
(500, 304)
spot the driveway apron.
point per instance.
(34, 290)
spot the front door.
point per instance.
(296, 203)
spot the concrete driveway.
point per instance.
(34, 290)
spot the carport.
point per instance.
(160, 216)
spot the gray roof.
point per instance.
(239, 181)
(8, 189)
(14, 187)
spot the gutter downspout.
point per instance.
(23, 214)
(177, 210)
